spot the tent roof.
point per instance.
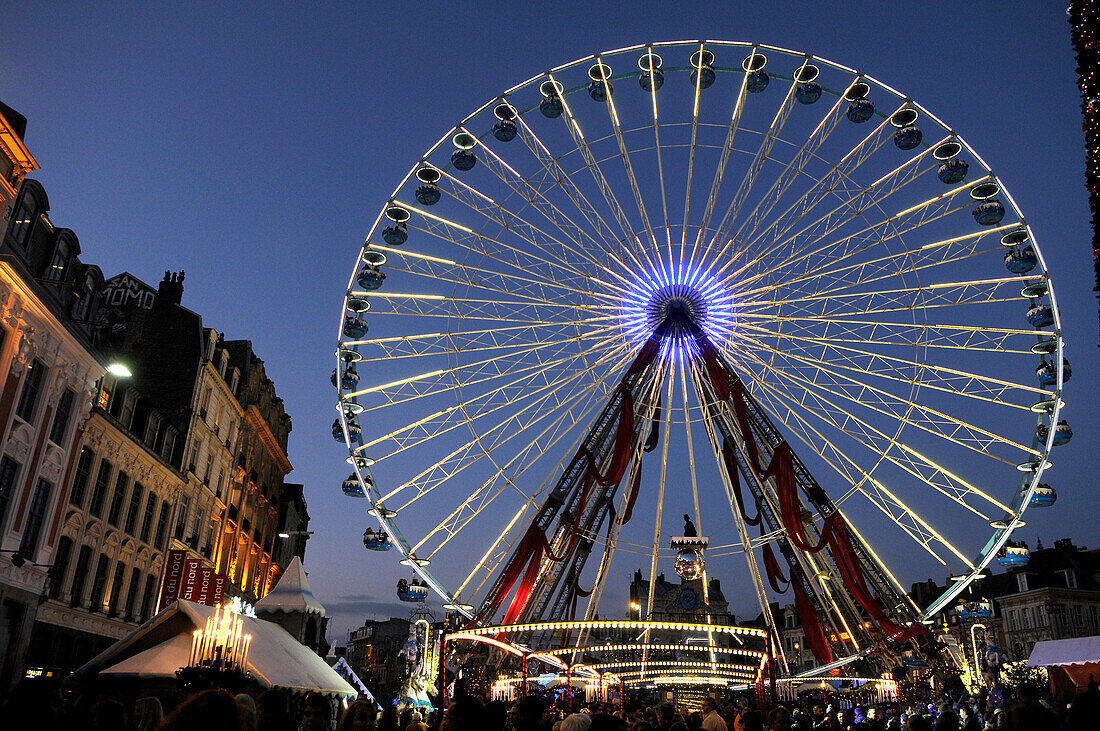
(163, 645)
(292, 593)
(1076, 651)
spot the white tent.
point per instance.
(162, 645)
(292, 593)
(1076, 651)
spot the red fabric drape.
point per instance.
(654, 429)
(811, 626)
(632, 496)
(735, 480)
(840, 545)
(775, 574)
(716, 372)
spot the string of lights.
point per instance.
(1084, 19)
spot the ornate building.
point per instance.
(250, 526)
(49, 373)
(171, 461)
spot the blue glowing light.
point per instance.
(707, 300)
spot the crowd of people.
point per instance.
(39, 704)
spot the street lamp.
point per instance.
(119, 370)
(288, 534)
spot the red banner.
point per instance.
(189, 585)
(173, 573)
(218, 594)
(206, 585)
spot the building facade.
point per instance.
(49, 371)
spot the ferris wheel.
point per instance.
(723, 280)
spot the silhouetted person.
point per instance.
(689, 527)
(273, 711)
(210, 710)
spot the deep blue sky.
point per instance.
(253, 150)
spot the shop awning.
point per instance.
(1076, 651)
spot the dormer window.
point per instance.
(1070, 577)
(1021, 582)
(24, 219)
(223, 361)
(59, 265)
(83, 306)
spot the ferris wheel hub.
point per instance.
(678, 307)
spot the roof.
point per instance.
(292, 593)
(1076, 651)
(163, 645)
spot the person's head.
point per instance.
(358, 716)
(750, 721)
(247, 707)
(108, 716)
(148, 713)
(530, 708)
(416, 717)
(707, 704)
(273, 710)
(918, 722)
(576, 722)
(316, 712)
(779, 719)
(464, 714)
(210, 710)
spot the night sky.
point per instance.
(254, 150)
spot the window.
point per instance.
(55, 272)
(32, 386)
(169, 445)
(1041, 613)
(121, 483)
(116, 589)
(99, 583)
(99, 492)
(162, 525)
(181, 518)
(126, 410)
(37, 515)
(9, 469)
(80, 575)
(195, 530)
(80, 481)
(60, 565)
(1012, 619)
(131, 595)
(1071, 578)
(24, 219)
(135, 506)
(147, 596)
(1094, 616)
(196, 447)
(61, 418)
(1026, 617)
(151, 428)
(83, 306)
(147, 521)
(1021, 581)
(1079, 615)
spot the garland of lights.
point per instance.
(1084, 19)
